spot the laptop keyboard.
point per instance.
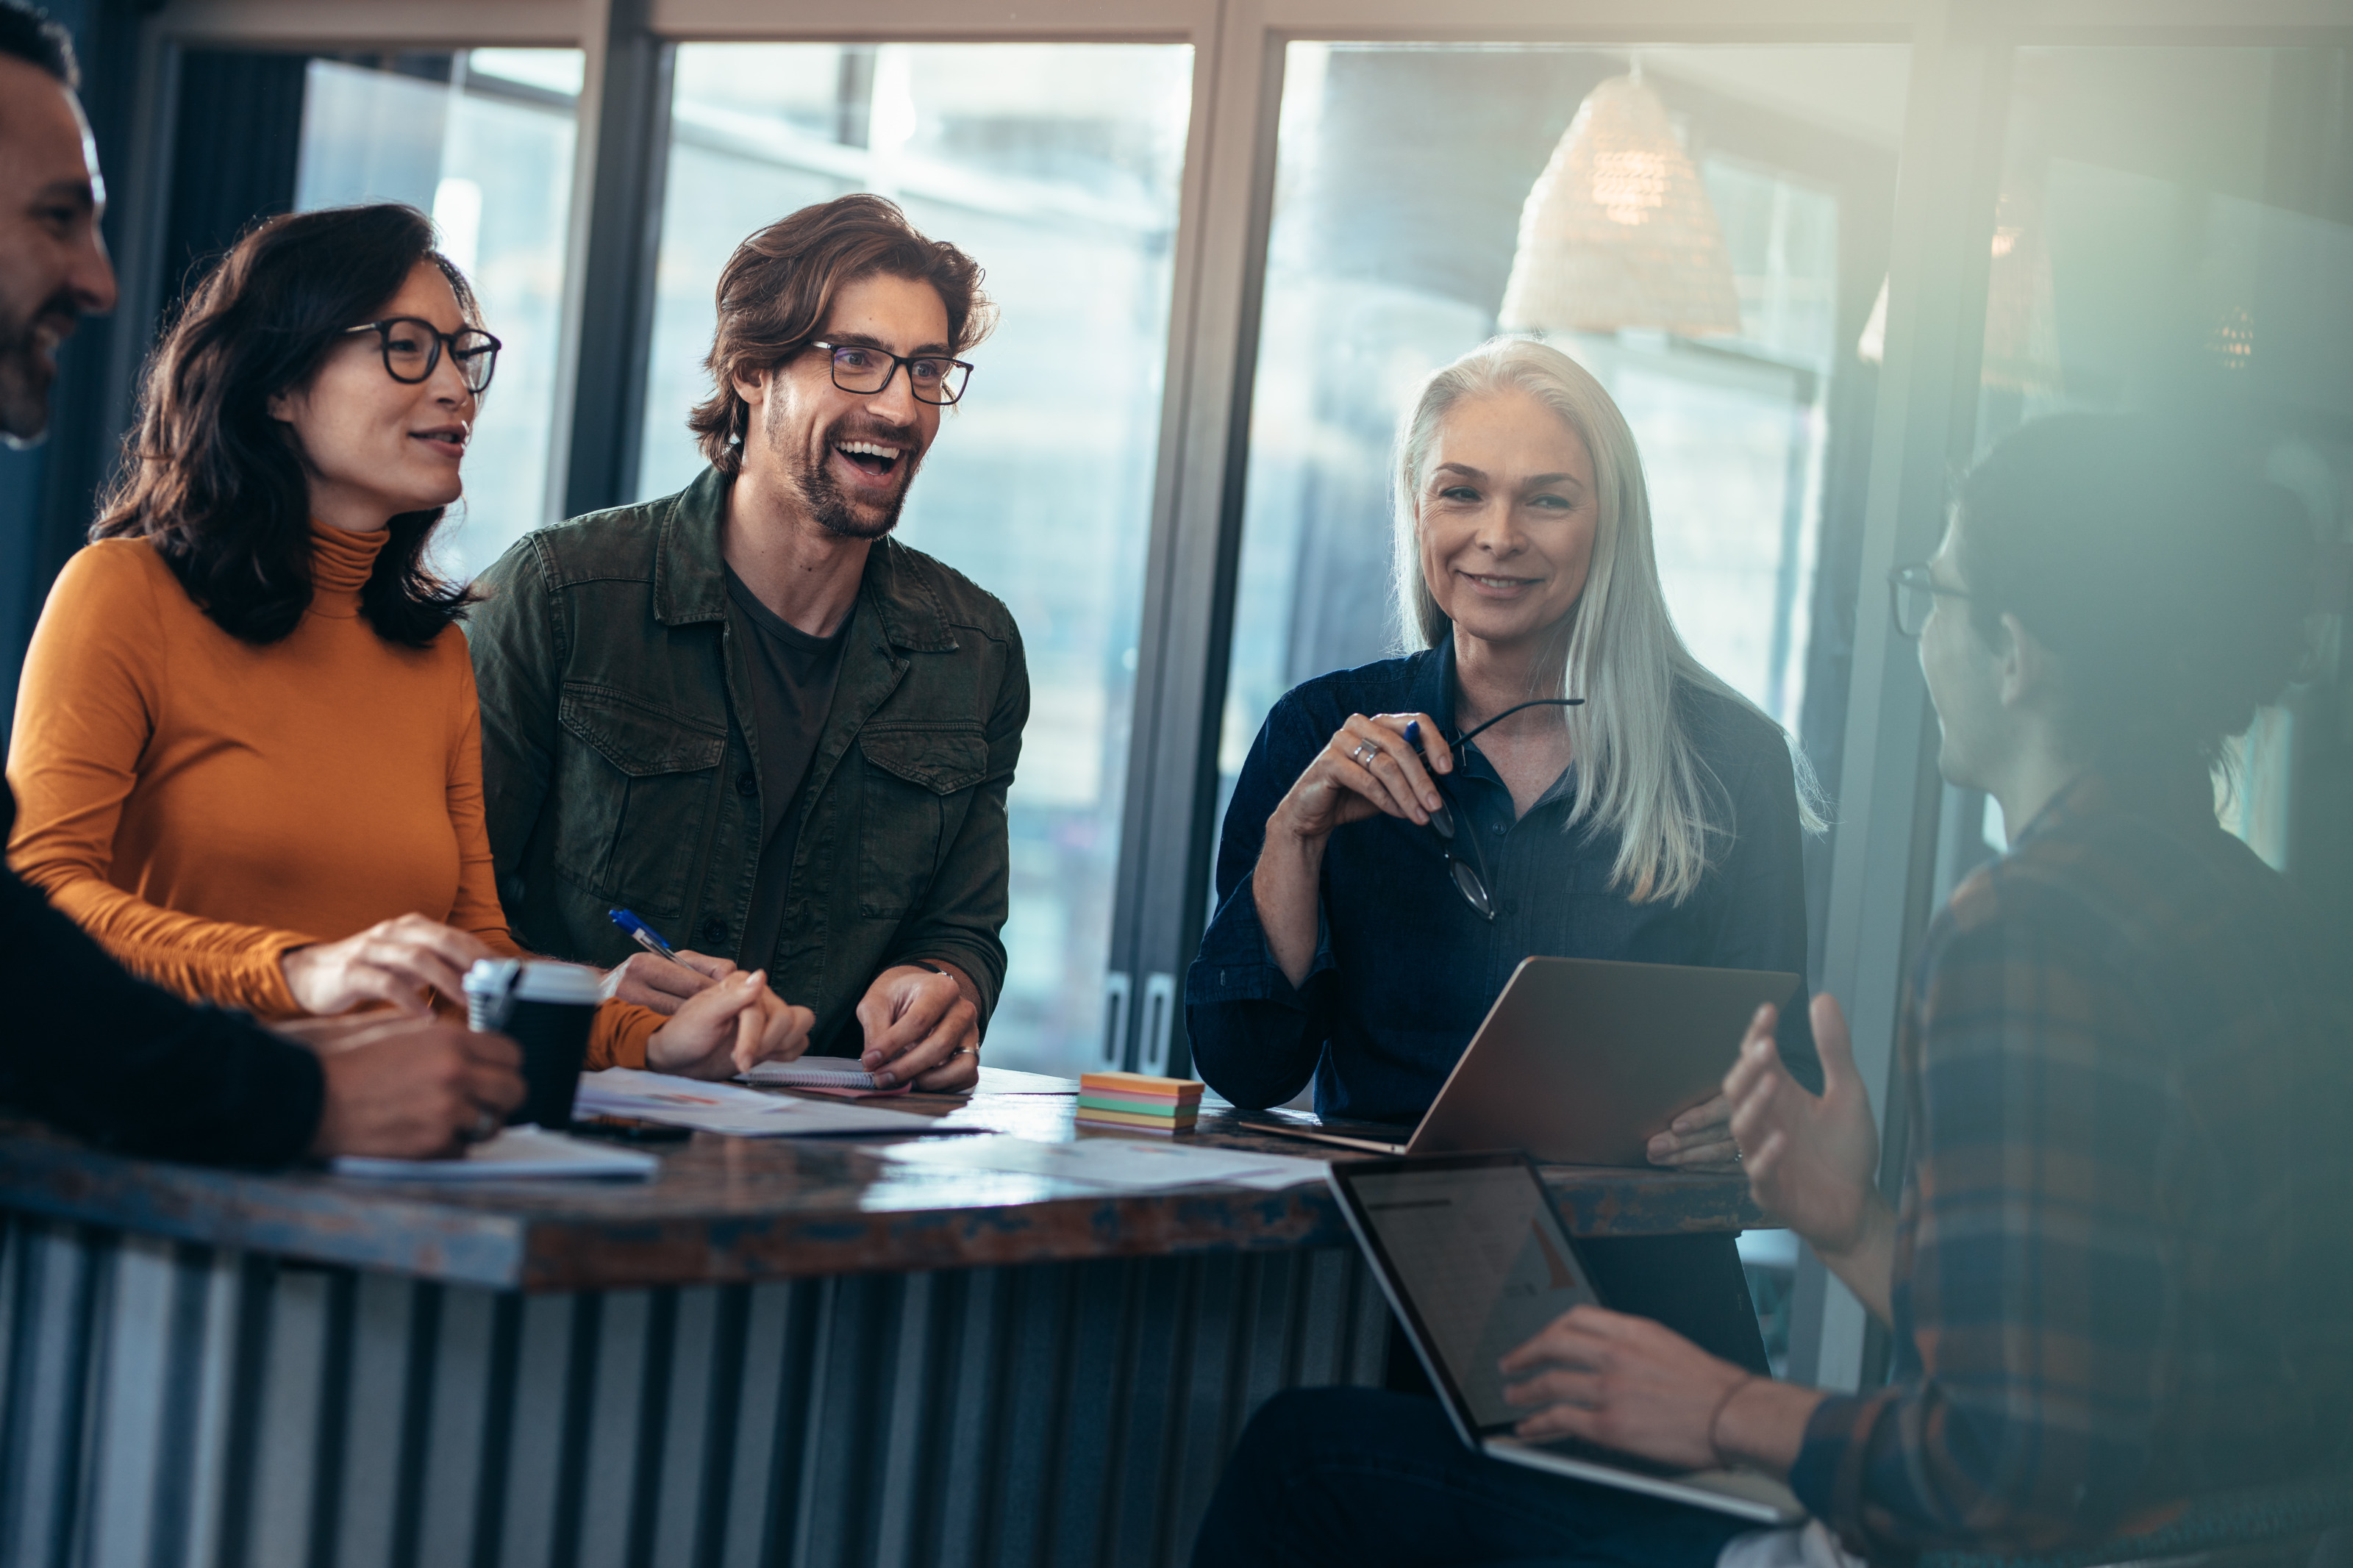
(1595, 1454)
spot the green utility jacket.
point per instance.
(618, 768)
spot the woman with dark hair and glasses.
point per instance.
(247, 751)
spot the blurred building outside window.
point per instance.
(482, 140)
(2174, 234)
(1057, 167)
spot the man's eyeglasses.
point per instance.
(933, 378)
(1456, 843)
(1912, 591)
(413, 348)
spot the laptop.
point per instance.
(1581, 1061)
(1474, 1261)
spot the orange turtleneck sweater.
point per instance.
(201, 804)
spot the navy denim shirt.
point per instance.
(1404, 971)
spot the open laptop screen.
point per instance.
(1474, 1247)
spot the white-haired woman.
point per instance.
(1660, 822)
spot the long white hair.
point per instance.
(1638, 771)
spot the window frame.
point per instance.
(1892, 804)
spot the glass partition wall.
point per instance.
(1228, 237)
(483, 139)
(2145, 258)
(1402, 172)
(1057, 167)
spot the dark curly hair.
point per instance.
(214, 484)
(2170, 578)
(774, 291)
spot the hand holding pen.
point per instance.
(662, 978)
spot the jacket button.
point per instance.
(745, 784)
(714, 931)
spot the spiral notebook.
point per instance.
(825, 1075)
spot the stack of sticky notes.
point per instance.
(1137, 1102)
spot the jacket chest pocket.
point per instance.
(918, 785)
(632, 791)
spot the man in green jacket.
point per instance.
(747, 714)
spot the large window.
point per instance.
(1057, 167)
(481, 139)
(1402, 174)
(2194, 260)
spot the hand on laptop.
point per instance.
(1632, 1384)
(1813, 1162)
(1701, 1137)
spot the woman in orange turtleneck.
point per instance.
(247, 752)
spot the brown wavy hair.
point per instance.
(215, 484)
(774, 291)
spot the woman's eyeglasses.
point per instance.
(413, 348)
(1456, 843)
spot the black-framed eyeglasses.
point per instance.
(412, 348)
(933, 378)
(1913, 592)
(1456, 843)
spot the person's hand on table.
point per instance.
(649, 980)
(404, 961)
(728, 1026)
(410, 1090)
(1632, 1384)
(921, 1027)
(1700, 1138)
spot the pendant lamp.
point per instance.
(1619, 231)
(2021, 334)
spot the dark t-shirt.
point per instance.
(792, 677)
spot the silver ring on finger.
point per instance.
(485, 1128)
(1364, 753)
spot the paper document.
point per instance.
(738, 1112)
(1124, 1163)
(1007, 1081)
(515, 1152)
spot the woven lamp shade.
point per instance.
(1618, 230)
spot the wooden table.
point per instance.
(774, 1351)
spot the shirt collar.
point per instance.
(2181, 790)
(691, 584)
(1431, 689)
(1432, 692)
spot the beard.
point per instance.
(26, 368)
(822, 494)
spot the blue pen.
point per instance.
(644, 935)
